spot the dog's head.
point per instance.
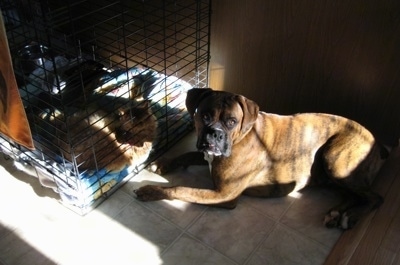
(221, 119)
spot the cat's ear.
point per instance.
(144, 104)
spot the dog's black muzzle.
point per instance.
(214, 141)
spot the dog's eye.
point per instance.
(206, 117)
(231, 122)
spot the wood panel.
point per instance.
(291, 56)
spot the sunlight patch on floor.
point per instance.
(177, 204)
(295, 194)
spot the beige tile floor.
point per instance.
(36, 229)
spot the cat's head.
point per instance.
(136, 124)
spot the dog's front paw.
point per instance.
(161, 166)
(150, 193)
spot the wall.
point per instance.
(332, 56)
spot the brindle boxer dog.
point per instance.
(266, 155)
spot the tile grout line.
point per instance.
(255, 248)
(209, 247)
(184, 231)
(276, 221)
(247, 260)
(286, 210)
(305, 235)
(299, 232)
(123, 208)
(2, 262)
(187, 233)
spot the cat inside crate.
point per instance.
(99, 139)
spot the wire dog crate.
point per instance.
(103, 85)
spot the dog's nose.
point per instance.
(216, 134)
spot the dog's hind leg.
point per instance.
(355, 181)
(347, 214)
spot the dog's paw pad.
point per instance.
(332, 219)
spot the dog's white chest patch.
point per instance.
(209, 158)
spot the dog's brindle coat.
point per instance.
(267, 155)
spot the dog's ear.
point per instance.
(250, 112)
(194, 97)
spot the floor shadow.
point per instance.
(12, 243)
